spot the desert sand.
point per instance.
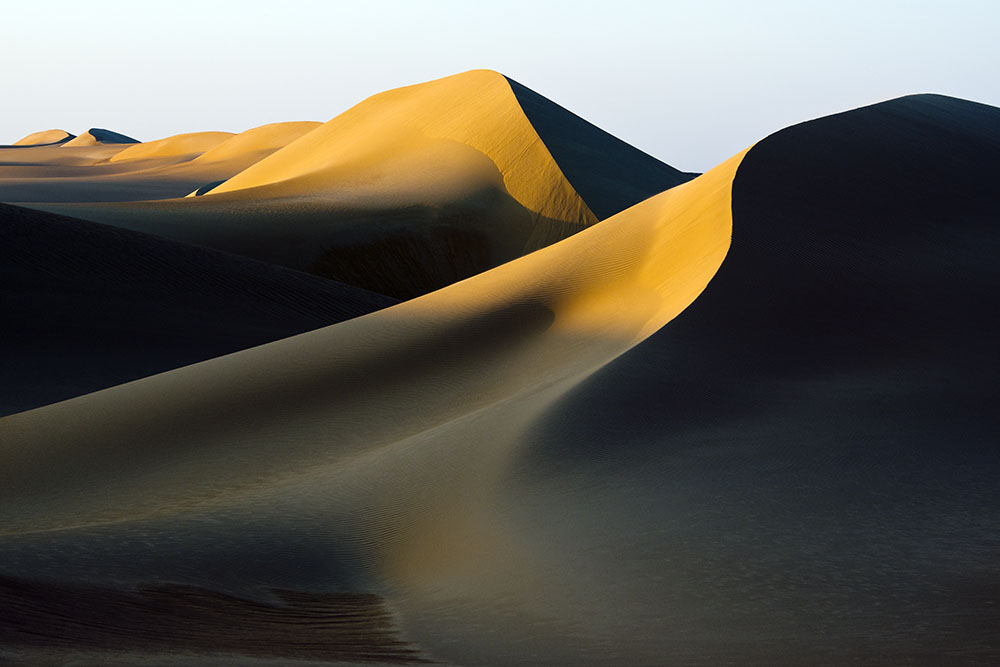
(45, 137)
(621, 414)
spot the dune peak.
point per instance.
(97, 135)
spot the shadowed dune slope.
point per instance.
(175, 146)
(96, 135)
(608, 174)
(45, 137)
(815, 436)
(89, 306)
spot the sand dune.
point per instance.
(179, 145)
(266, 138)
(161, 169)
(96, 135)
(45, 137)
(640, 444)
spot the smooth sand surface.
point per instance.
(93, 306)
(642, 444)
(45, 137)
(266, 138)
(175, 146)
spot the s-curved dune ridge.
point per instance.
(567, 405)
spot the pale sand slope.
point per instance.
(263, 139)
(161, 169)
(87, 306)
(408, 191)
(45, 137)
(179, 145)
(374, 449)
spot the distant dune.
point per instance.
(96, 135)
(626, 415)
(162, 169)
(45, 137)
(409, 191)
(177, 145)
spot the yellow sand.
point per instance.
(85, 139)
(44, 137)
(476, 109)
(175, 146)
(259, 139)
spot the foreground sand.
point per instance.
(575, 457)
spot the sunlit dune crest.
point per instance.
(264, 138)
(45, 137)
(177, 145)
(475, 109)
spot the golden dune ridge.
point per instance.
(266, 138)
(44, 137)
(178, 145)
(420, 118)
(612, 286)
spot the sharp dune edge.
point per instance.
(638, 444)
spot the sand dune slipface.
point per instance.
(637, 445)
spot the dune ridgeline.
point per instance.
(459, 377)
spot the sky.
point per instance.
(691, 83)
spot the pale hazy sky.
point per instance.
(690, 82)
